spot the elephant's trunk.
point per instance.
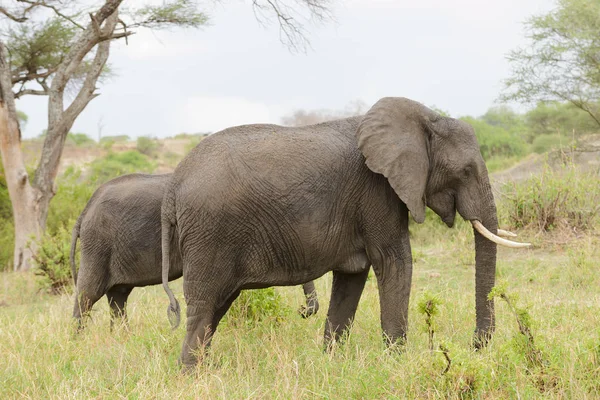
(485, 268)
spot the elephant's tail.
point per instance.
(74, 238)
(173, 311)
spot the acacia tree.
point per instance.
(562, 61)
(70, 49)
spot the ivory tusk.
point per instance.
(496, 239)
(502, 232)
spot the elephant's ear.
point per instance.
(393, 136)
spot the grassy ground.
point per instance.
(282, 358)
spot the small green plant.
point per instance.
(254, 306)
(525, 342)
(51, 261)
(429, 307)
(116, 164)
(147, 146)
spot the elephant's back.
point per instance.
(121, 227)
(276, 157)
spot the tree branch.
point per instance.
(33, 75)
(22, 18)
(24, 92)
(53, 8)
(61, 121)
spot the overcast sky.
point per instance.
(447, 53)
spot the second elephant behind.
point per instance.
(120, 235)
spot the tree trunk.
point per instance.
(24, 198)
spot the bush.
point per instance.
(495, 141)
(7, 230)
(80, 139)
(147, 146)
(253, 306)
(51, 261)
(544, 143)
(116, 164)
(7, 243)
(564, 198)
(71, 197)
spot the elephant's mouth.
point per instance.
(478, 226)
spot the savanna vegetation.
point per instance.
(547, 343)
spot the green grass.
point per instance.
(275, 358)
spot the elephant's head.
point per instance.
(435, 161)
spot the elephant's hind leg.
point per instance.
(202, 322)
(117, 300)
(83, 305)
(345, 294)
(312, 300)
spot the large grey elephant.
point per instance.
(120, 234)
(261, 205)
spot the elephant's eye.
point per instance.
(467, 171)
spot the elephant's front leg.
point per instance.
(345, 294)
(394, 277)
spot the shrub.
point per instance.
(7, 229)
(80, 139)
(51, 261)
(253, 306)
(7, 243)
(544, 143)
(147, 146)
(564, 198)
(71, 197)
(495, 141)
(116, 164)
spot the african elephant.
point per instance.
(262, 205)
(120, 238)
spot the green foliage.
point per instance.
(69, 202)
(564, 198)
(7, 241)
(23, 118)
(114, 139)
(178, 12)
(554, 118)
(504, 117)
(51, 261)
(254, 306)
(80, 139)
(115, 164)
(147, 146)
(41, 45)
(496, 141)
(428, 305)
(544, 143)
(560, 62)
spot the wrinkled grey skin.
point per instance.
(262, 205)
(120, 234)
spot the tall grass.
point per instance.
(281, 357)
(561, 198)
